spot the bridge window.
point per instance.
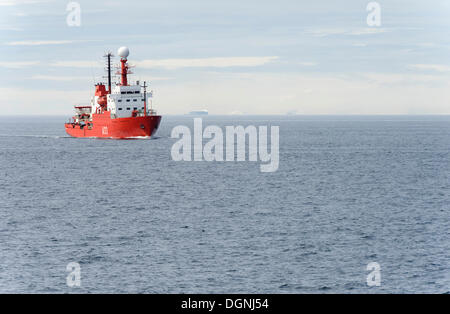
(120, 108)
(128, 108)
(134, 99)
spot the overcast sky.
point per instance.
(249, 57)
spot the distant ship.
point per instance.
(199, 112)
(118, 113)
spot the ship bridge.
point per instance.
(124, 100)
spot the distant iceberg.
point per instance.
(199, 112)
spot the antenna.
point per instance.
(108, 57)
(145, 98)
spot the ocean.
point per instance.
(349, 191)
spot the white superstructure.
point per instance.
(125, 99)
(122, 100)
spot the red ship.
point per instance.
(117, 113)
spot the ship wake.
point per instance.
(35, 136)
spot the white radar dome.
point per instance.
(123, 52)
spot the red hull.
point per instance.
(102, 126)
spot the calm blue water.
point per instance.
(349, 191)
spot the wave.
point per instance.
(35, 136)
(58, 137)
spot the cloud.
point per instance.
(326, 32)
(431, 67)
(307, 64)
(278, 93)
(10, 28)
(41, 101)
(367, 31)
(60, 78)
(17, 64)
(359, 45)
(69, 78)
(183, 63)
(263, 93)
(76, 64)
(206, 62)
(39, 43)
(20, 2)
(323, 32)
(427, 45)
(401, 79)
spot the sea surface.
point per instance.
(350, 190)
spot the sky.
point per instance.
(231, 57)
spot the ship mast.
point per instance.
(108, 56)
(145, 98)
